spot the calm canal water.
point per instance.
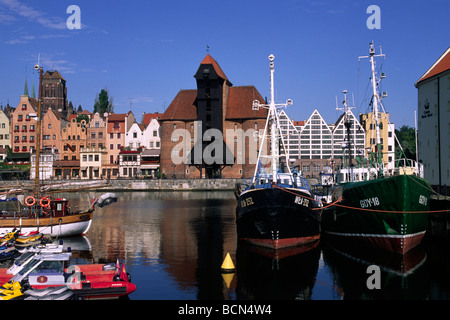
(174, 243)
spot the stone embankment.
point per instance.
(127, 185)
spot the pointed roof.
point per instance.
(209, 60)
(441, 65)
(25, 91)
(53, 75)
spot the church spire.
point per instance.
(25, 90)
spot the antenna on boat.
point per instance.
(375, 102)
(347, 123)
(274, 122)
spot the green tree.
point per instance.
(407, 137)
(84, 117)
(103, 103)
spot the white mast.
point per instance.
(272, 118)
(375, 100)
(274, 148)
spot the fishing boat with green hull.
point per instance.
(390, 213)
(386, 209)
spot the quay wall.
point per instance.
(131, 184)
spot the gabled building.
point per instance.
(51, 124)
(73, 139)
(433, 113)
(117, 125)
(134, 138)
(152, 135)
(290, 137)
(315, 138)
(23, 125)
(5, 134)
(214, 108)
(96, 132)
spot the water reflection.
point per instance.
(401, 275)
(173, 244)
(263, 276)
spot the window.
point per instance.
(49, 125)
(155, 133)
(84, 158)
(92, 135)
(118, 136)
(111, 146)
(134, 134)
(116, 125)
(96, 157)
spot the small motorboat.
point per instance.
(25, 255)
(106, 199)
(89, 281)
(9, 237)
(29, 239)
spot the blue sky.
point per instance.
(144, 52)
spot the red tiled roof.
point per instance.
(182, 107)
(149, 116)
(117, 117)
(209, 60)
(441, 65)
(240, 101)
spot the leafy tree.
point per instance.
(407, 137)
(103, 103)
(83, 117)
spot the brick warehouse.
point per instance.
(215, 104)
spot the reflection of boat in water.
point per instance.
(277, 210)
(401, 276)
(261, 277)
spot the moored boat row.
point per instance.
(44, 272)
(363, 205)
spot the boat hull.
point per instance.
(66, 226)
(277, 217)
(388, 213)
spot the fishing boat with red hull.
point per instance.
(277, 209)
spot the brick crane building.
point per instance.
(214, 107)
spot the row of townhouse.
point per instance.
(83, 145)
